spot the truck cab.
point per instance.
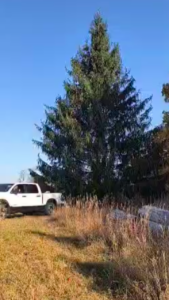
(25, 197)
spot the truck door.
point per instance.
(33, 195)
(18, 198)
(26, 195)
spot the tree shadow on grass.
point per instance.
(57, 221)
(119, 279)
(105, 276)
(67, 240)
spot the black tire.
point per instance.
(50, 208)
(4, 209)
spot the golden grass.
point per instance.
(134, 264)
(81, 254)
(39, 261)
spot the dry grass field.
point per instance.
(80, 254)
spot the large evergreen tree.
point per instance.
(93, 135)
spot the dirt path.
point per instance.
(39, 261)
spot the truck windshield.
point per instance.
(5, 187)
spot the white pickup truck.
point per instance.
(27, 197)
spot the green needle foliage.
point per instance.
(93, 136)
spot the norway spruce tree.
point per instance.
(92, 136)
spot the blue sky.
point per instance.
(37, 40)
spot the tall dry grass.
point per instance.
(135, 264)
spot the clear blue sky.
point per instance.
(37, 40)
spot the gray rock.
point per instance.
(155, 214)
(118, 214)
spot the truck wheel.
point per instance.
(4, 209)
(49, 208)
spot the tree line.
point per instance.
(97, 138)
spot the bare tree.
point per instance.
(24, 176)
